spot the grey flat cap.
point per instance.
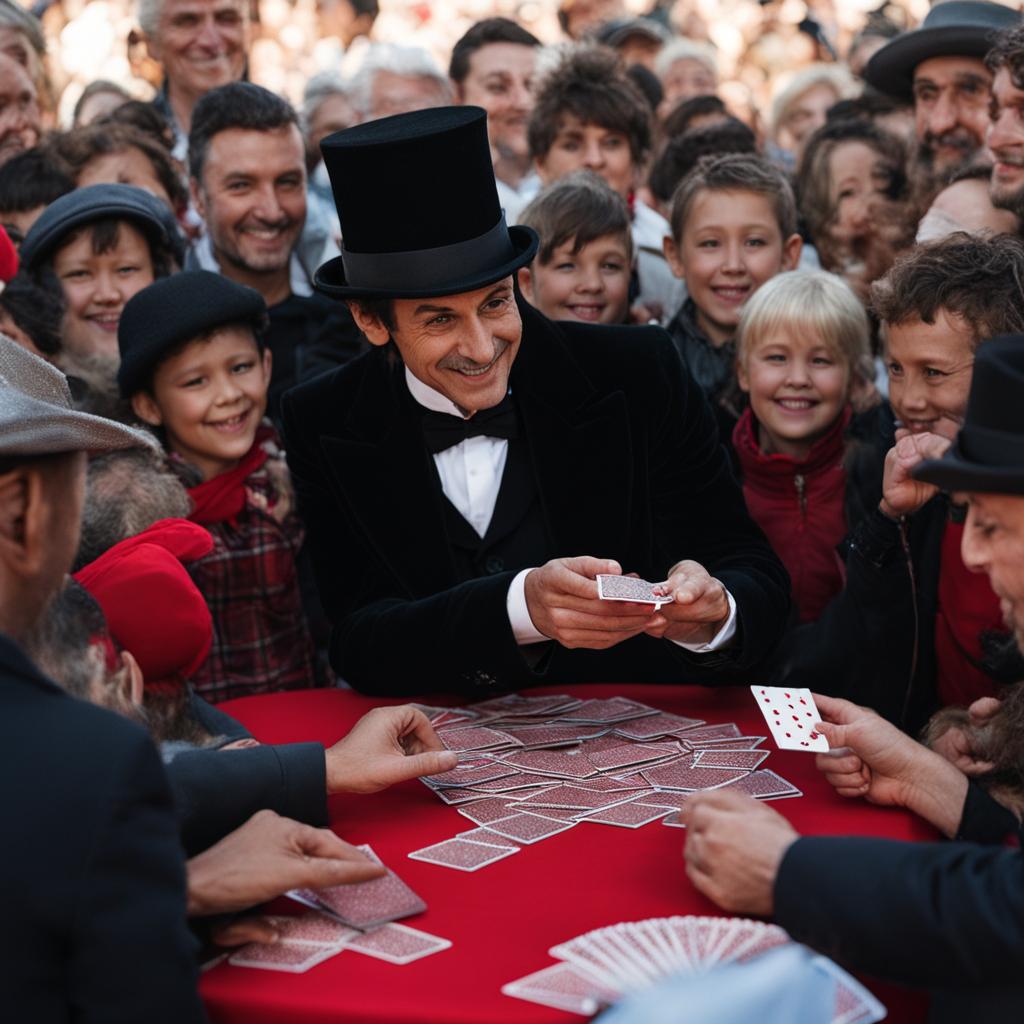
(36, 415)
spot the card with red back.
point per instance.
(673, 820)
(563, 987)
(471, 773)
(481, 812)
(312, 928)
(724, 731)
(628, 815)
(679, 777)
(398, 944)
(536, 737)
(711, 758)
(294, 958)
(552, 762)
(628, 754)
(610, 710)
(476, 737)
(516, 781)
(528, 828)
(661, 724)
(791, 717)
(462, 854)
(481, 835)
(572, 797)
(554, 813)
(629, 588)
(766, 785)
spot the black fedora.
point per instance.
(987, 456)
(419, 209)
(957, 28)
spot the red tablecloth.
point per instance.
(503, 918)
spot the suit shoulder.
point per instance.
(323, 396)
(621, 354)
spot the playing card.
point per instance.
(528, 828)
(610, 710)
(481, 835)
(791, 717)
(554, 813)
(725, 731)
(675, 776)
(629, 754)
(854, 1003)
(629, 588)
(628, 815)
(482, 812)
(661, 724)
(573, 797)
(471, 773)
(765, 785)
(365, 904)
(295, 958)
(453, 797)
(673, 820)
(563, 987)
(668, 801)
(538, 737)
(552, 762)
(748, 759)
(398, 944)
(476, 737)
(462, 854)
(513, 783)
(312, 928)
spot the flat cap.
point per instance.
(37, 417)
(174, 310)
(93, 203)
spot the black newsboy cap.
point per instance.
(174, 310)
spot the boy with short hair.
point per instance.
(195, 369)
(584, 263)
(734, 226)
(588, 115)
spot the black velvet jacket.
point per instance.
(628, 465)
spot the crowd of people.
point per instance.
(366, 386)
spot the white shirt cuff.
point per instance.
(523, 628)
(720, 639)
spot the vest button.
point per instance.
(494, 565)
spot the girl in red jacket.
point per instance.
(802, 357)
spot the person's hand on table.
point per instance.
(386, 745)
(563, 602)
(956, 745)
(698, 606)
(266, 857)
(734, 846)
(873, 759)
(243, 930)
(902, 495)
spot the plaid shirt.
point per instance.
(250, 581)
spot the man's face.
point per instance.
(253, 197)
(402, 94)
(580, 146)
(930, 368)
(333, 115)
(951, 96)
(461, 345)
(1006, 141)
(19, 110)
(500, 80)
(202, 43)
(993, 542)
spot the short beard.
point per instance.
(928, 177)
(1012, 201)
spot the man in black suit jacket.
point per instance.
(445, 475)
(947, 917)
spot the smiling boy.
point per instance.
(195, 370)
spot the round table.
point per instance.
(503, 918)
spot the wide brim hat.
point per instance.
(90, 204)
(987, 456)
(37, 417)
(957, 28)
(418, 208)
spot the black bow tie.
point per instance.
(443, 430)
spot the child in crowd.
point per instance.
(733, 228)
(584, 264)
(195, 369)
(588, 115)
(802, 358)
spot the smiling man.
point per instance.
(248, 178)
(1006, 130)
(445, 475)
(940, 67)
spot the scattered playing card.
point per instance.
(562, 987)
(696, 736)
(748, 759)
(661, 724)
(481, 835)
(552, 762)
(674, 776)
(462, 854)
(528, 828)
(791, 717)
(398, 944)
(476, 737)
(483, 812)
(610, 711)
(673, 820)
(315, 928)
(631, 815)
(573, 797)
(471, 773)
(629, 754)
(295, 958)
(765, 785)
(629, 588)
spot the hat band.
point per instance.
(991, 447)
(427, 268)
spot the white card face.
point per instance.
(791, 717)
(628, 588)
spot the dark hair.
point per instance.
(736, 172)
(34, 178)
(684, 152)
(814, 179)
(679, 117)
(73, 621)
(483, 33)
(589, 83)
(381, 309)
(36, 311)
(144, 117)
(865, 107)
(235, 105)
(972, 172)
(648, 83)
(1008, 52)
(370, 7)
(978, 279)
(579, 208)
(80, 146)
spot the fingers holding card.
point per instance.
(791, 716)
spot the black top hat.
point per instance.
(988, 454)
(418, 207)
(958, 28)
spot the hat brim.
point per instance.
(953, 472)
(891, 69)
(330, 278)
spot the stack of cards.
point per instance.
(601, 966)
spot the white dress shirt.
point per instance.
(471, 474)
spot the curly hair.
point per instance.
(589, 82)
(980, 280)
(1008, 52)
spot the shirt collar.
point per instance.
(299, 280)
(426, 396)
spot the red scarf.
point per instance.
(222, 498)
